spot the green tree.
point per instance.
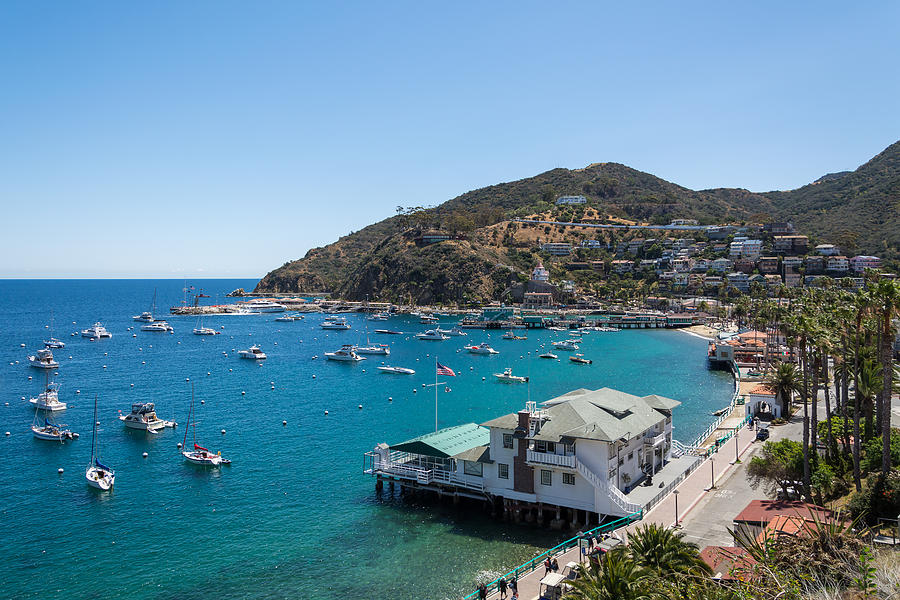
(778, 465)
(616, 577)
(660, 551)
(785, 382)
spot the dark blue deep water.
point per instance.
(293, 517)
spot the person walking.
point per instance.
(514, 587)
(482, 592)
(548, 566)
(554, 565)
(501, 585)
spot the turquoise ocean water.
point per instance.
(293, 517)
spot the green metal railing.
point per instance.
(529, 566)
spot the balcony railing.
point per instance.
(404, 465)
(655, 440)
(556, 460)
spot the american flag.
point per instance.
(445, 371)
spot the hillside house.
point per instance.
(860, 263)
(570, 200)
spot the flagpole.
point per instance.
(435, 391)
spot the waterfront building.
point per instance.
(570, 200)
(540, 273)
(860, 263)
(537, 300)
(582, 451)
(557, 248)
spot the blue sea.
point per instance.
(293, 516)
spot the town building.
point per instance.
(827, 250)
(683, 222)
(592, 244)
(739, 281)
(837, 264)
(720, 265)
(537, 300)
(815, 265)
(557, 248)
(570, 200)
(791, 244)
(767, 264)
(540, 273)
(860, 263)
(778, 228)
(434, 237)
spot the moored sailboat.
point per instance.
(98, 475)
(199, 455)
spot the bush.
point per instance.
(880, 498)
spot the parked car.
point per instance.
(762, 435)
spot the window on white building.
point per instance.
(473, 468)
(569, 478)
(546, 477)
(502, 471)
(507, 440)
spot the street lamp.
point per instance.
(712, 473)
(675, 492)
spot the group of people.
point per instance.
(504, 587)
(551, 565)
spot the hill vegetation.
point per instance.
(857, 210)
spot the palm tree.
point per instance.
(784, 381)
(616, 578)
(662, 552)
(886, 303)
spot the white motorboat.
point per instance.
(389, 331)
(482, 348)
(289, 317)
(579, 358)
(565, 345)
(509, 335)
(548, 355)
(54, 343)
(347, 353)
(432, 334)
(557, 328)
(263, 306)
(96, 331)
(453, 331)
(143, 416)
(97, 474)
(50, 430)
(427, 319)
(507, 377)
(575, 340)
(199, 455)
(397, 370)
(158, 326)
(335, 323)
(147, 315)
(49, 398)
(43, 359)
(379, 316)
(382, 349)
(253, 353)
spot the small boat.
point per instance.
(199, 455)
(143, 416)
(482, 348)
(432, 334)
(346, 353)
(557, 329)
(335, 323)
(454, 331)
(720, 412)
(580, 359)
(50, 430)
(575, 340)
(397, 370)
(97, 474)
(379, 316)
(54, 343)
(96, 331)
(158, 326)
(565, 345)
(253, 353)
(507, 377)
(147, 315)
(201, 330)
(49, 399)
(382, 349)
(43, 359)
(548, 355)
(289, 317)
(509, 335)
(389, 331)
(427, 319)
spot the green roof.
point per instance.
(447, 442)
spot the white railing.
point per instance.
(546, 458)
(655, 440)
(419, 474)
(614, 493)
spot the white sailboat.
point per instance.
(44, 429)
(147, 315)
(199, 455)
(97, 474)
(53, 342)
(201, 330)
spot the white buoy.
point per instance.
(272, 388)
(132, 385)
(21, 345)
(482, 378)
(133, 335)
(106, 354)
(70, 358)
(187, 378)
(207, 372)
(363, 370)
(7, 434)
(415, 391)
(179, 445)
(60, 470)
(143, 362)
(243, 393)
(423, 385)
(104, 366)
(203, 402)
(29, 378)
(223, 432)
(145, 455)
(360, 406)
(230, 370)
(390, 398)
(314, 376)
(326, 412)
(77, 391)
(284, 422)
(276, 343)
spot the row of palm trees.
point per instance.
(840, 346)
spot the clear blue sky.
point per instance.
(222, 138)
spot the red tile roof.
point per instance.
(726, 562)
(763, 511)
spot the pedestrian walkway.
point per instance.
(691, 491)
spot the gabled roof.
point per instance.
(763, 511)
(447, 442)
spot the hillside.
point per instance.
(381, 261)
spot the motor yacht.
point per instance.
(482, 348)
(382, 349)
(453, 331)
(427, 319)
(158, 326)
(146, 317)
(579, 358)
(286, 318)
(253, 353)
(143, 416)
(264, 306)
(389, 331)
(49, 399)
(335, 323)
(565, 345)
(507, 377)
(509, 335)
(397, 370)
(432, 334)
(43, 359)
(379, 316)
(347, 353)
(96, 331)
(548, 355)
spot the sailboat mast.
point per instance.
(94, 430)
(190, 412)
